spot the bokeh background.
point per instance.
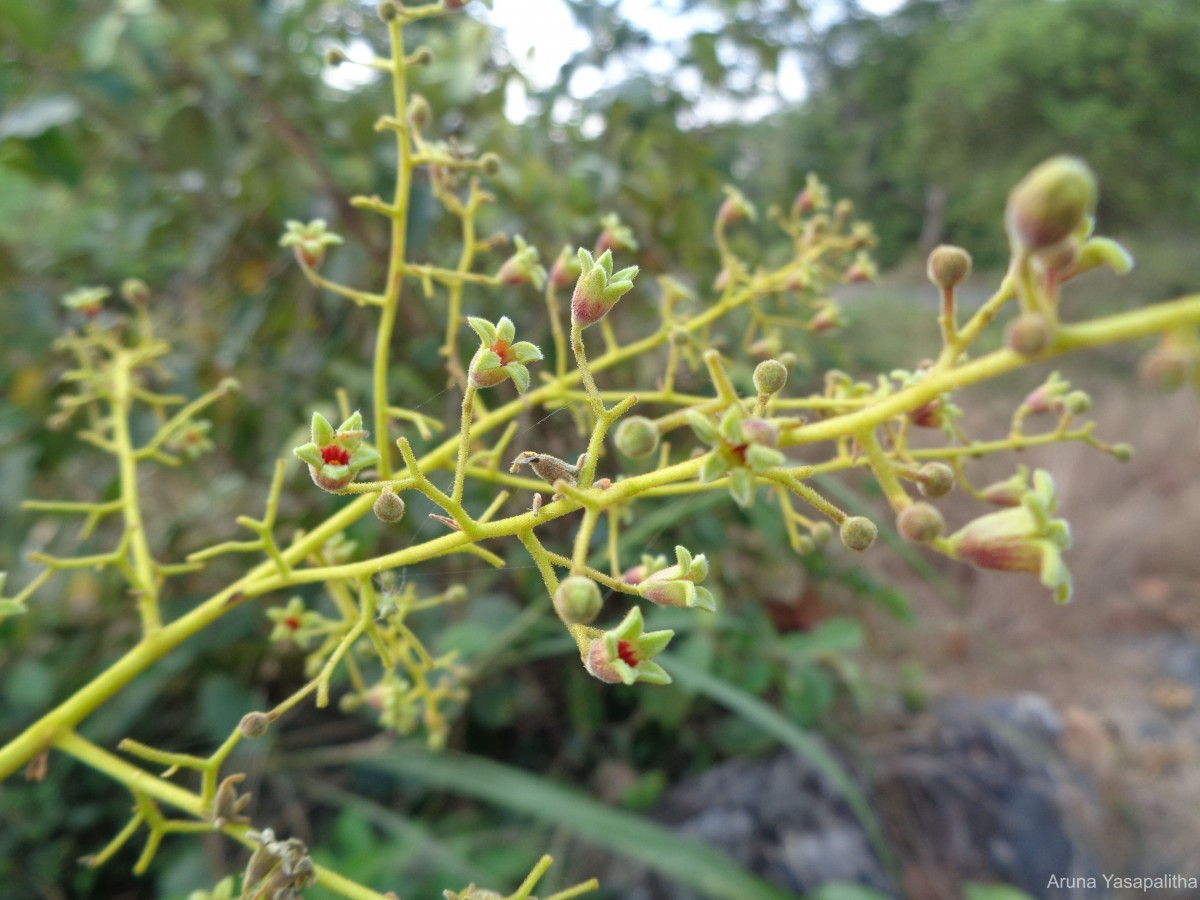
(171, 141)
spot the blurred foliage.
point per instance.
(170, 142)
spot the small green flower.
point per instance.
(615, 235)
(87, 300)
(309, 241)
(523, 266)
(679, 585)
(735, 207)
(741, 447)
(192, 439)
(1024, 538)
(336, 457)
(625, 654)
(598, 288)
(498, 358)
(293, 623)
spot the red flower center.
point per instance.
(292, 622)
(739, 452)
(336, 455)
(627, 653)
(503, 350)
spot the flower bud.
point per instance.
(637, 437)
(577, 600)
(1050, 203)
(1029, 334)
(566, 268)
(760, 431)
(419, 112)
(388, 507)
(948, 265)
(1009, 491)
(936, 480)
(135, 292)
(335, 56)
(920, 522)
(821, 532)
(858, 533)
(490, 163)
(1122, 452)
(770, 376)
(254, 725)
(1166, 368)
(598, 288)
(388, 11)
(735, 207)
(422, 56)
(1077, 403)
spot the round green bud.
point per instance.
(1077, 403)
(388, 508)
(804, 545)
(254, 724)
(335, 56)
(456, 593)
(937, 480)
(948, 265)
(1050, 203)
(770, 376)
(821, 532)
(489, 163)
(422, 56)
(788, 358)
(1029, 334)
(419, 112)
(679, 336)
(858, 533)
(388, 11)
(134, 291)
(577, 600)
(637, 437)
(920, 522)
(1122, 452)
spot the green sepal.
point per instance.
(322, 431)
(485, 329)
(741, 486)
(714, 466)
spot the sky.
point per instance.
(541, 36)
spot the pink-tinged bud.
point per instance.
(522, 267)
(1167, 368)
(862, 269)
(1029, 334)
(566, 268)
(614, 235)
(814, 197)
(598, 288)
(858, 533)
(1050, 203)
(920, 522)
(760, 431)
(1059, 258)
(1023, 538)
(1009, 491)
(679, 585)
(948, 265)
(577, 600)
(722, 280)
(936, 480)
(827, 317)
(929, 415)
(637, 437)
(735, 208)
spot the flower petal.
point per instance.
(485, 329)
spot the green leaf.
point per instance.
(975, 891)
(684, 861)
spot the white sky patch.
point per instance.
(542, 36)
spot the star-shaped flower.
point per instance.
(741, 447)
(336, 457)
(87, 300)
(625, 654)
(309, 241)
(293, 622)
(498, 358)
